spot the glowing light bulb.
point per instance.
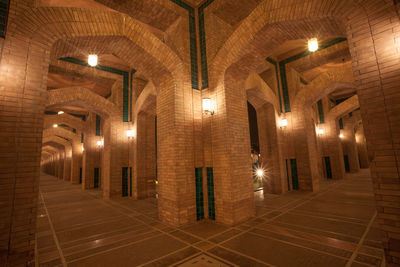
(130, 133)
(83, 149)
(60, 112)
(260, 172)
(283, 123)
(321, 131)
(341, 136)
(55, 125)
(207, 106)
(92, 60)
(313, 45)
(100, 142)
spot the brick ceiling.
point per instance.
(160, 15)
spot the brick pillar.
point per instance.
(145, 163)
(113, 158)
(332, 148)
(233, 181)
(176, 188)
(269, 149)
(305, 147)
(22, 68)
(374, 46)
(67, 163)
(91, 155)
(61, 155)
(76, 161)
(362, 147)
(349, 144)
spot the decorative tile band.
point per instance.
(321, 111)
(98, 125)
(273, 62)
(4, 9)
(203, 50)
(83, 117)
(131, 94)
(193, 42)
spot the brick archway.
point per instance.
(84, 97)
(266, 103)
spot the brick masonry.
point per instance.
(237, 48)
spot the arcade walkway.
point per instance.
(335, 227)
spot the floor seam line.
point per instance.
(353, 256)
(54, 232)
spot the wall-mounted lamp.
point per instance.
(130, 134)
(207, 106)
(313, 45)
(260, 172)
(341, 136)
(320, 131)
(55, 125)
(92, 60)
(60, 112)
(283, 123)
(100, 143)
(83, 148)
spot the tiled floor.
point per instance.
(334, 227)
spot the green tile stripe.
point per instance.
(303, 81)
(83, 117)
(98, 125)
(4, 9)
(295, 179)
(199, 194)
(96, 178)
(341, 123)
(62, 137)
(67, 126)
(273, 62)
(133, 71)
(210, 193)
(321, 111)
(282, 68)
(82, 138)
(130, 181)
(287, 175)
(203, 50)
(124, 181)
(193, 42)
(125, 75)
(328, 167)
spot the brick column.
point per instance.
(270, 151)
(349, 144)
(176, 190)
(332, 148)
(374, 46)
(305, 147)
(76, 161)
(362, 147)
(22, 68)
(233, 182)
(67, 163)
(113, 158)
(91, 154)
(145, 163)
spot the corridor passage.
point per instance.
(334, 227)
